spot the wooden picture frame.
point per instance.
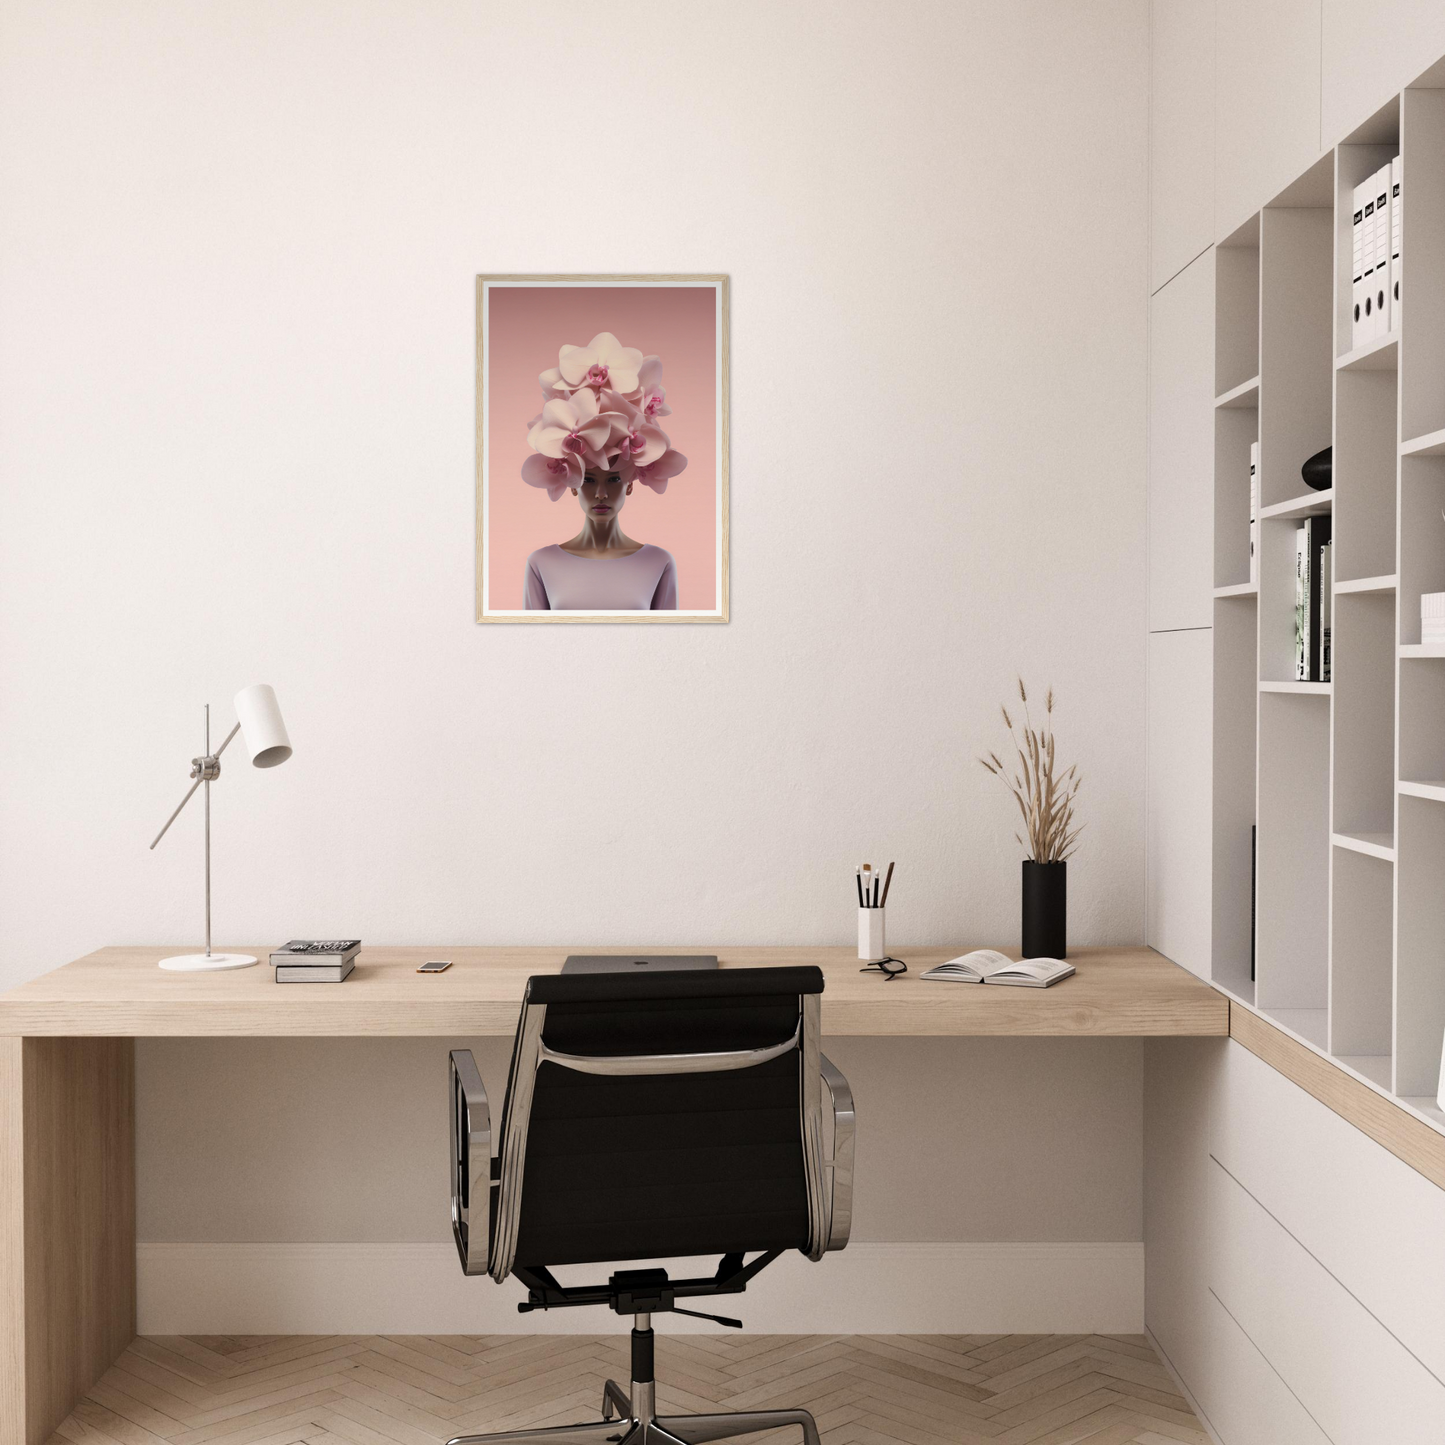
(522, 323)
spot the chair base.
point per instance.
(640, 1427)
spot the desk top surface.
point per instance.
(119, 992)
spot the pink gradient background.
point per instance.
(526, 326)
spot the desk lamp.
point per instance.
(258, 720)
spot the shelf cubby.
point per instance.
(1364, 703)
(1235, 429)
(1422, 537)
(1356, 160)
(1236, 706)
(1294, 852)
(1422, 721)
(1362, 902)
(1420, 964)
(1296, 368)
(1365, 459)
(1236, 313)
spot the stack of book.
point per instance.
(315, 960)
(1375, 272)
(1312, 600)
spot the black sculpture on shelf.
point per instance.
(1319, 471)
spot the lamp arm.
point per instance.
(227, 743)
(177, 813)
(200, 772)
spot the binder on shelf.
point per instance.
(1367, 318)
(1254, 513)
(1357, 268)
(1396, 226)
(1382, 252)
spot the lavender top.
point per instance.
(645, 581)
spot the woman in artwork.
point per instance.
(598, 437)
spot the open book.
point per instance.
(987, 965)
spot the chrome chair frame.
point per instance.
(485, 1228)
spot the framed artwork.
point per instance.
(602, 454)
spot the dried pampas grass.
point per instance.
(1046, 801)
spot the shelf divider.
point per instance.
(1312, 504)
(1244, 397)
(1379, 355)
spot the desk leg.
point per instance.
(67, 1224)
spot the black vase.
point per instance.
(1319, 471)
(1046, 909)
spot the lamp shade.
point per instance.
(262, 730)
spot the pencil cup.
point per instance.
(870, 934)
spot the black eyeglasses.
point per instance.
(890, 968)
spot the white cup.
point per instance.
(870, 934)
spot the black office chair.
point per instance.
(650, 1117)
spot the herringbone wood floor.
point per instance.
(418, 1390)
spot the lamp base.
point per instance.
(207, 962)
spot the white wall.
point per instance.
(237, 254)
(236, 367)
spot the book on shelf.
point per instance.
(1254, 513)
(1310, 613)
(988, 965)
(1301, 606)
(1326, 606)
(314, 972)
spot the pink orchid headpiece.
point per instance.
(600, 408)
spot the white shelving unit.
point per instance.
(1344, 781)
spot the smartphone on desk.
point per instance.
(435, 965)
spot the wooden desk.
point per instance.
(119, 992)
(67, 1091)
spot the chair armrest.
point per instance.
(471, 1129)
(840, 1215)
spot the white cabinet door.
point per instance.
(1371, 1220)
(1178, 901)
(1358, 1382)
(1266, 102)
(1246, 1401)
(1370, 52)
(1181, 134)
(1181, 450)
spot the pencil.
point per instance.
(887, 884)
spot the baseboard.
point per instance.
(305, 1289)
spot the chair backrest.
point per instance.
(669, 1114)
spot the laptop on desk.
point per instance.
(637, 962)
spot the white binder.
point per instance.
(1382, 251)
(1396, 225)
(1254, 513)
(1357, 268)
